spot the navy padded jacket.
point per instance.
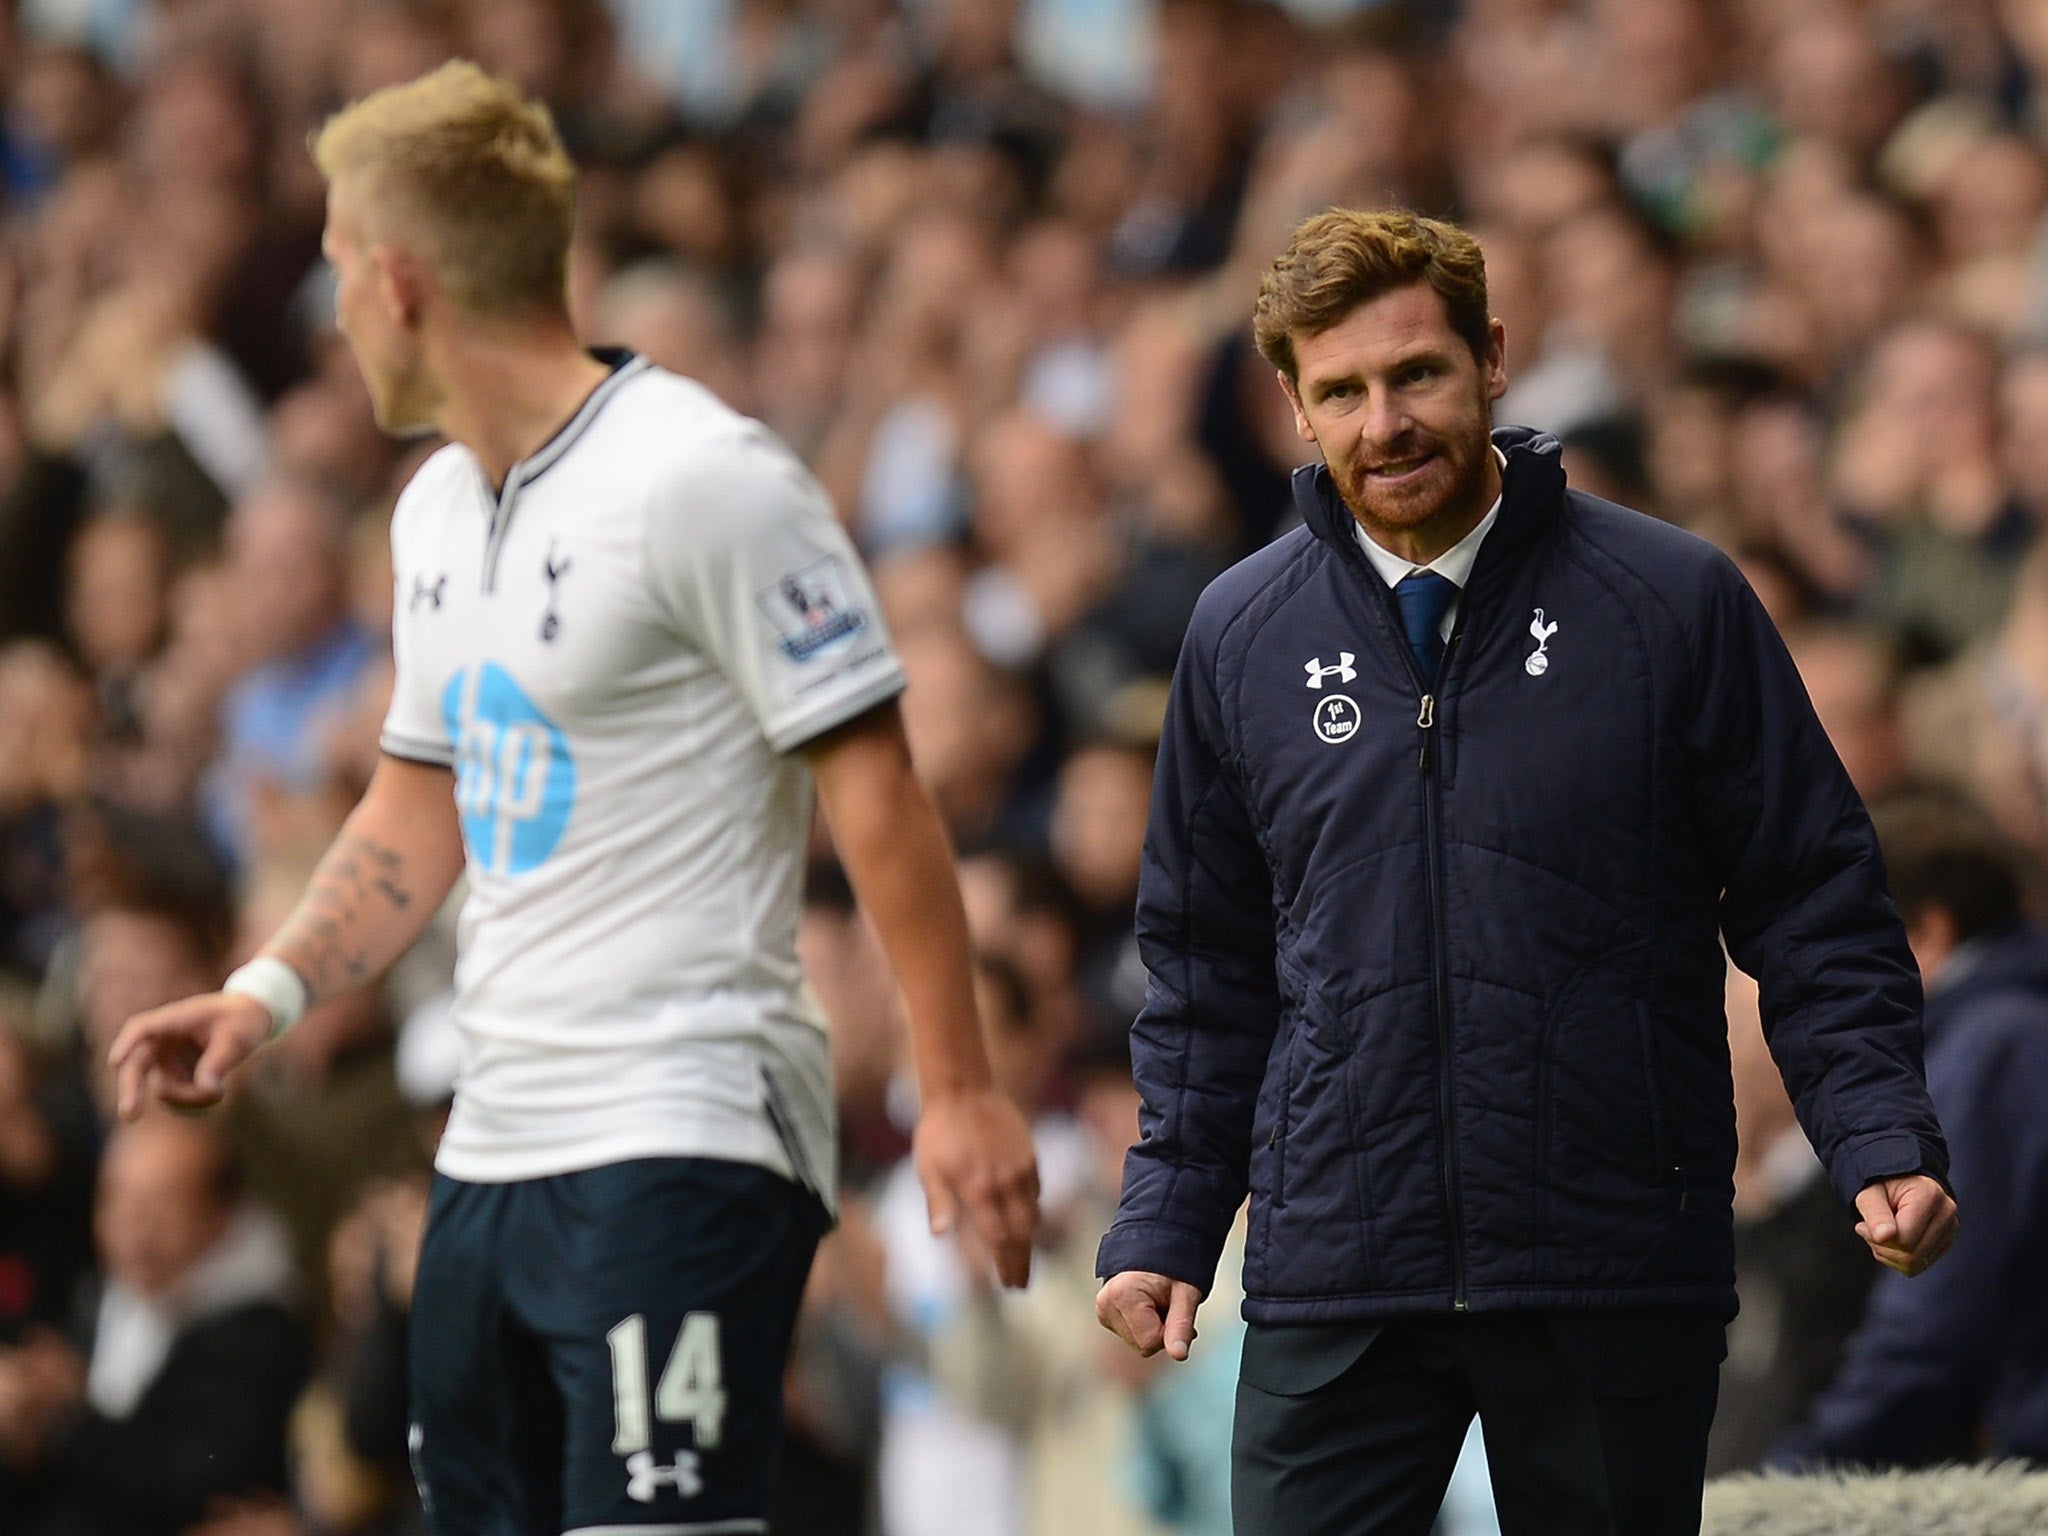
(1437, 976)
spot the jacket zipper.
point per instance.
(1440, 983)
(1440, 954)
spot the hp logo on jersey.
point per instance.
(515, 782)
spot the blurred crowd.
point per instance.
(1775, 270)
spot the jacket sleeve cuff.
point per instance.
(1864, 1160)
(1160, 1248)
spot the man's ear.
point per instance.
(1302, 429)
(401, 283)
(1932, 935)
(1496, 363)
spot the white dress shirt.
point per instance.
(1454, 564)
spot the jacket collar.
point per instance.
(1532, 491)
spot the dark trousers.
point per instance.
(1596, 1423)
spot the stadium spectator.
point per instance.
(181, 1393)
(1852, 679)
(137, 953)
(47, 724)
(1074, 1400)
(1800, 1275)
(1916, 463)
(287, 575)
(943, 1450)
(1097, 830)
(1957, 1367)
(48, 1149)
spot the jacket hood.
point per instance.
(1532, 489)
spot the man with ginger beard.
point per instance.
(1461, 788)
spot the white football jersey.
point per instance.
(617, 654)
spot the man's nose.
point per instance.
(1384, 420)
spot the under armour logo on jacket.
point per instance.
(646, 1477)
(424, 591)
(1344, 672)
(1538, 661)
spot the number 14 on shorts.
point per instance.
(691, 1389)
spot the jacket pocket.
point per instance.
(1283, 1115)
(1298, 1359)
(1665, 1170)
(1600, 1114)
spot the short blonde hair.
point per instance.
(1341, 259)
(470, 173)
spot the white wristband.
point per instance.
(276, 986)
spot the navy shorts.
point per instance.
(604, 1350)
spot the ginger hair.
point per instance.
(1346, 257)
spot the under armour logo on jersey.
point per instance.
(554, 570)
(645, 1477)
(1538, 661)
(1344, 672)
(422, 592)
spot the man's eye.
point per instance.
(1339, 391)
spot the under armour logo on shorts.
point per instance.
(645, 1477)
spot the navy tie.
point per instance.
(1425, 598)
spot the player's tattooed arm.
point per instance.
(379, 884)
(358, 882)
(374, 891)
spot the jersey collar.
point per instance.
(624, 365)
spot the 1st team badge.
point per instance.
(1337, 719)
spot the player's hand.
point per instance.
(1149, 1312)
(182, 1052)
(1908, 1221)
(974, 1157)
